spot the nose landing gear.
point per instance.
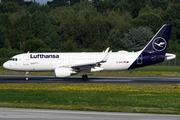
(26, 76)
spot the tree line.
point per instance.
(75, 26)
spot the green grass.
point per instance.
(96, 97)
(165, 71)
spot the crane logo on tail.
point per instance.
(159, 44)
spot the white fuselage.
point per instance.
(38, 61)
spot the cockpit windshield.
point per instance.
(13, 59)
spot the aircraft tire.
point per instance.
(84, 77)
(26, 78)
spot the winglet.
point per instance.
(106, 50)
(106, 57)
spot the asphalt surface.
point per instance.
(44, 114)
(91, 79)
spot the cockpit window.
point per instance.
(13, 59)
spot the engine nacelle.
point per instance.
(62, 72)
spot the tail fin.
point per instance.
(154, 52)
(159, 42)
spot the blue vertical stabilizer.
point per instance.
(154, 52)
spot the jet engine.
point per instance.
(62, 72)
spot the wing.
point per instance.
(85, 67)
(92, 64)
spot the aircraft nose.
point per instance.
(5, 65)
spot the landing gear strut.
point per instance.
(26, 76)
(84, 77)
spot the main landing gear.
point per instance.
(26, 76)
(84, 77)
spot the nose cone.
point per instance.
(5, 65)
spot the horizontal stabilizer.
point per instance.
(169, 56)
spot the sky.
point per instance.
(40, 1)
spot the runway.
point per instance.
(92, 79)
(47, 114)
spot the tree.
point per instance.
(57, 3)
(123, 6)
(33, 45)
(33, 7)
(73, 2)
(68, 46)
(103, 6)
(22, 30)
(80, 23)
(9, 7)
(172, 16)
(136, 6)
(52, 40)
(154, 21)
(2, 36)
(100, 46)
(8, 53)
(136, 38)
(46, 8)
(6, 29)
(146, 9)
(38, 25)
(120, 23)
(160, 3)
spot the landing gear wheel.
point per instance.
(84, 77)
(26, 78)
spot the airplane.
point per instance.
(67, 64)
